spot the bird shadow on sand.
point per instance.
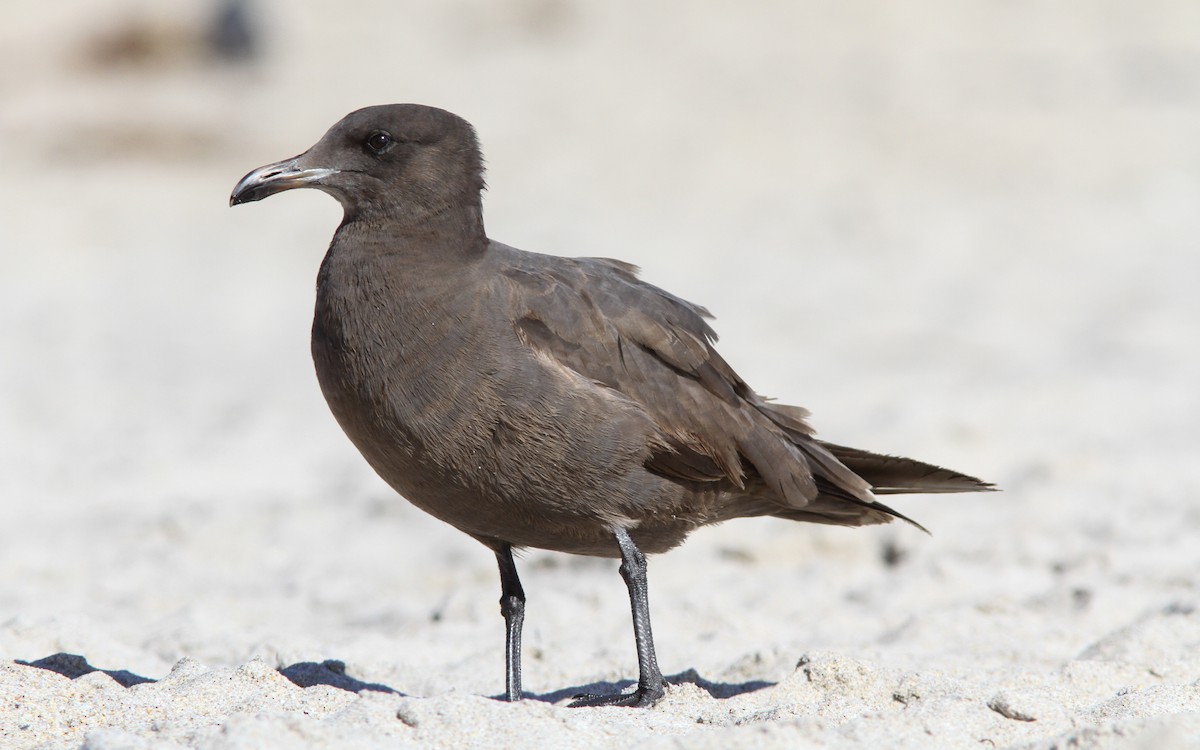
(330, 672)
(73, 666)
(303, 674)
(718, 690)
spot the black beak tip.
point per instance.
(241, 196)
(248, 190)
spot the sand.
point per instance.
(963, 232)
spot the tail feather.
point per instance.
(895, 475)
(838, 504)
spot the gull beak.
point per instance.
(275, 178)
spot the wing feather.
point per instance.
(595, 316)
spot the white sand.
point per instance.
(970, 236)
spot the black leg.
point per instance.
(512, 606)
(650, 680)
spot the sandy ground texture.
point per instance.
(967, 232)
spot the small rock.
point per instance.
(1010, 708)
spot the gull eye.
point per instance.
(380, 141)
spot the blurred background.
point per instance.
(966, 232)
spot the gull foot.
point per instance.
(643, 697)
